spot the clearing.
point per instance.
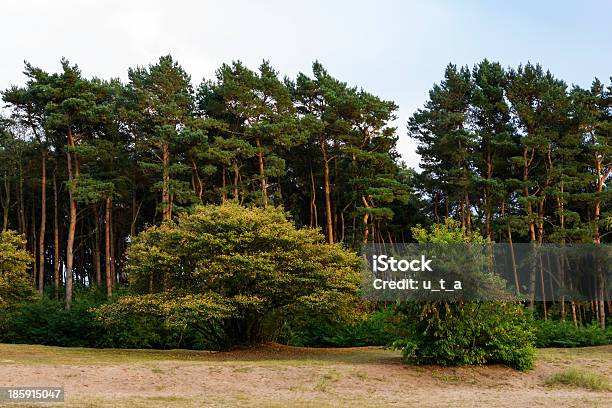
(279, 376)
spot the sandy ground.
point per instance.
(280, 376)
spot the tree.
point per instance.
(76, 109)
(490, 115)
(592, 111)
(446, 144)
(256, 108)
(356, 148)
(161, 98)
(540, 106)
(28, 107)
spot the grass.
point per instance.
(273, 375)
(580, 378)
(326, 380)
(275, 355)
(600, 353)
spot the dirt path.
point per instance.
(279, 376)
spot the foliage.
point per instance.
(513, 154)
(550, 333)
(225, 270)
(15, 287)
(47, 322)
(378, 328)
(464, 332)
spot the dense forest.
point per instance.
(514, 155)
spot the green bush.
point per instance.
(235, 275)
(554, 333)
(376, 329)
(464, 332)
(15, 286)
(46, 321)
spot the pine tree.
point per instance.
(161, 104)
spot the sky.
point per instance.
(392, 48)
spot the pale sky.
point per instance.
(394, 49)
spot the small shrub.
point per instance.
(580, 378)
(467, 333)
(551, 333)
(464, 332)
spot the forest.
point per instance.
(509, 155)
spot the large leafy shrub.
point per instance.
(464, 332)
(236, 274)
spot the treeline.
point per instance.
(520, 157)
(513, 154)
(87, 163)
(517, 151)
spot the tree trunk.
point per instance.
(43, 223)
(600, 279)
(514, 270)
(487, 195)
(262, 175)
(33, 241)
(69, 251)
(366, 217)
(327, 182)
(197, 183)
(314, 222)
(96, 250)
(73, 220)
(56, 260)
(108, 257)
(236, 179)
(166, 204)
(113, 248)
(6, 201)
(224, 185)
(527, 159)
(23, 225)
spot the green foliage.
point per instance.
(464, 332)
(451, 232)
(224, 270)
(158, 109)
(511, 153)
(551, 333)
(376, 329)
(15, 287)
(348, 129)
(46, 321)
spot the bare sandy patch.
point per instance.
(277, 376)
